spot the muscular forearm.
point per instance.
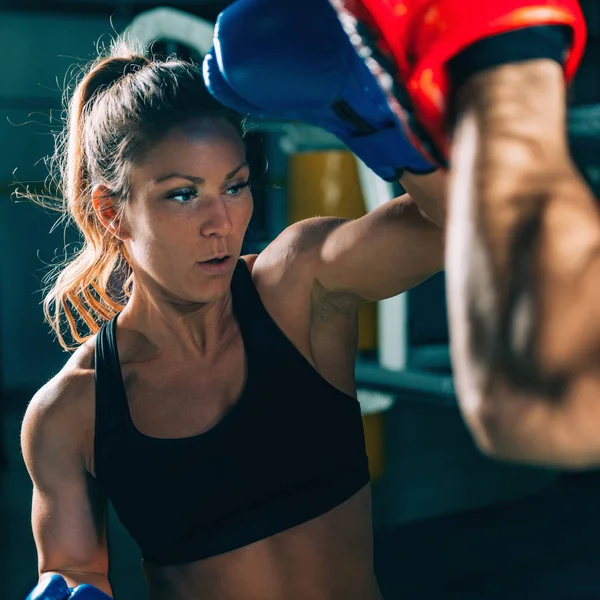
(514, 121)
(524, 232)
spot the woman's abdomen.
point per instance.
(326, 558)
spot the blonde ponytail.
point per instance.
(80, 291)
(123, 103)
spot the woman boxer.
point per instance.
(214, 404)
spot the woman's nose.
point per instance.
(217, 220)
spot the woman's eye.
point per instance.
(237, 188)
(183, 195)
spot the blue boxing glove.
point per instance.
(292, 60)
(88, 592)
(55, 588)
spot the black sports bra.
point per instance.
(291, 449)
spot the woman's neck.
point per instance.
(197, 330)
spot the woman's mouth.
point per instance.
(216, 266)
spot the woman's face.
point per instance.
(189, 208)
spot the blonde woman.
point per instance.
(212, 399)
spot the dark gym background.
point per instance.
(449, 522)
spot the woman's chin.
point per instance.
(208, 293)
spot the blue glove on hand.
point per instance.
(292, 60)
(88, 592)
(56, 588)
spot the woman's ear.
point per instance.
(105, 209)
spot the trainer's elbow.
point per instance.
(492, 432)
(514, 426)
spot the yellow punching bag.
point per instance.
(325, 183)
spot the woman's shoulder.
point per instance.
(290, 259)
(284, 275)
(74, 380)
(63, 409)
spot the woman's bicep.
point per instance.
(68, 508)
(382, 254)
(379, 255)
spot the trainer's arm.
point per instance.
(523, 272)
(68, 510)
